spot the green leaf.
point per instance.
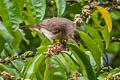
(106, 36)
(106, 16)
(15, 66)
(92, 46)
(92, 60)
(10, 14)
(9, 50)
(63, 61)
(17, 39)
(5, 34)
(41, 70)
(36, 9)
(114, 47)
(61, 5)
(96, 37)
(20, 63)
(83, 61)
(27, 18)
(2, 42)
(44, 44)
(103, 76)
(20, 5)
(32, 67)
(1, 78)
(94, 16)
(39, 75)
(3, 54)
(71, 64)
(7, 69)
(54, 69)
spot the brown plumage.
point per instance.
(56, 28)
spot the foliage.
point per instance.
(98, 25)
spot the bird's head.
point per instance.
(74, 35)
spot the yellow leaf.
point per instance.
(106, 16)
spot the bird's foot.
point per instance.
(57, 48)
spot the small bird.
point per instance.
(57, 28)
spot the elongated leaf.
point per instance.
(5, 34)
(36, 9)
(5, 68)
(20, 5)
(41, 70)
(106, 36)
(20, 63)
(94, 16)
(106, 16)
(71, 64)
(44, 44)
(15, 66)
(62, 59)
(92, 46)
(54, 69)
(9, 50)
(2, 42)
(3, 54)
(10, 14)
(96, 37)
(39, 75)
(83, 61)
(27, 18)
(18, 35)
(1, 78)
(61, 5)
(33, 66)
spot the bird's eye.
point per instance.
(72, 36)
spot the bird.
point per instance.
(56, 28)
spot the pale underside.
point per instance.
(50, 35)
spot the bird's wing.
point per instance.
(51, 25)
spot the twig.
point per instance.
(115, 40)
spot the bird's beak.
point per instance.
(78, 42)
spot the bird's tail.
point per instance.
(29, 26)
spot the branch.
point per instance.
(115, 40)
(71, 0)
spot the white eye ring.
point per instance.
(72, 36)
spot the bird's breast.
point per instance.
(52, 36)
(47, 33)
